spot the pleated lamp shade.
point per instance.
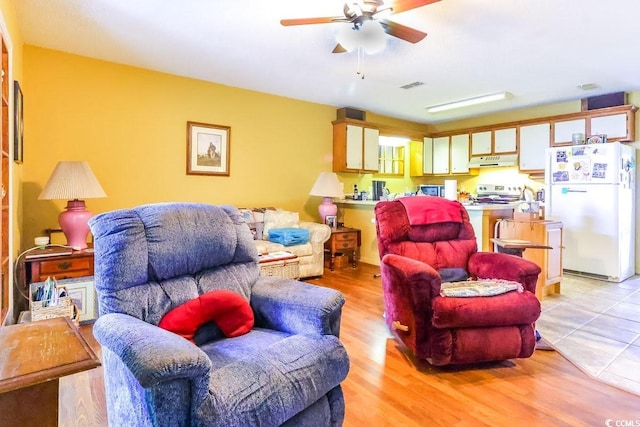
(73, 181)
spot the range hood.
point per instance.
(501, 160)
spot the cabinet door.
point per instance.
(370, 153)
(554, 256)
(534, 140)
(460, 153)
(614, 126)
(481, 143)
(504, 141)
(441, 155)
(563, 131)
(427, 156)
(354, 147)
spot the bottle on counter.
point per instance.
(356, 194)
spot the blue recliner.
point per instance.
(286, 370)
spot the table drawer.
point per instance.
(64, 275)
(64, 266)
(345, 237)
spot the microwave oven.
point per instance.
(431, 190)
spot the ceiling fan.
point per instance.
(360, 13)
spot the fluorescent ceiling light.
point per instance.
(469, 102)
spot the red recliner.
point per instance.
(421, 237)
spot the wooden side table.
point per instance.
(344, 239)
(35, 356)
(39, 264)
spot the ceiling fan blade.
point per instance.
(404, 5)
(402, 31)
(307, 21)
(338, 49)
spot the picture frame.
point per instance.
(18, 123)
(83, 294)
(208, 149)
(331, 221)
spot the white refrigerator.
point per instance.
(591, 189)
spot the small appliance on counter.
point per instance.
(431, 190)
(378, 189)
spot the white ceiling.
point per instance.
(538, 50)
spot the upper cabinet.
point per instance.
(441, 155)
(481, 143)
(618, 123)
(534, 140)
(355, 148)
(563, 130)
(615, 126)
(505, 140)
(494, 141)
(460, 153)
(356, 143)
(421, 157)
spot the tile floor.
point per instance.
(596, 325)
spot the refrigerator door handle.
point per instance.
(576, 191)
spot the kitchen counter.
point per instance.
(359, 214)
(468, 206)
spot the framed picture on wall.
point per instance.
(18, 123)
(208, 149)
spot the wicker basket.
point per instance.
(39, 311)
(289, 268)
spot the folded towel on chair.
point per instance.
(437, 210)
(479, 288)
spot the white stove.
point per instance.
(498, 193)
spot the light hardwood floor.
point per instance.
(387, 387)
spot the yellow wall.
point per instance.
(130, 125)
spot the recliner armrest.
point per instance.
(296, 307)
(495, 265)
(420, 279)
(152, 354)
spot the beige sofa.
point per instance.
(310, 255)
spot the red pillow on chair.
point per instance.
(229, 310)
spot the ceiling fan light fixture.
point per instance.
(369, 36)
(372, 37)
(347, 38)
(469, 102)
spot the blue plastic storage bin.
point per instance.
(289, 236)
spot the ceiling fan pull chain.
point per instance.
(359, 71)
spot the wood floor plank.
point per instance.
(386, 386)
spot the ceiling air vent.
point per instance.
(411, 85)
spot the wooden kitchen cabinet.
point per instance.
(615, 126)
(421, 157)
(481, 143)
(563, 130)
(441, 155)
(534, 140)
(505, 140)
(355, 148)
(494, 141)
(550, 260)
(460, 153)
